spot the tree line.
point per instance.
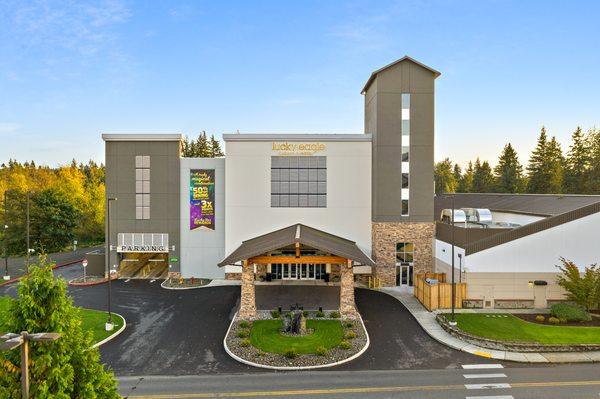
(549, 170)
(202, 147)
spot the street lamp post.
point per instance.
(5, 240)
(109, 323)
(12, 341)
(453, 319)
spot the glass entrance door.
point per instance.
(303, 271)
(404, 275)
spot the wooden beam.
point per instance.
(297, 250)
(301, 260)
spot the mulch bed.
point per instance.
(595, 322)
(90, 280)
(336, 354)
(186, 282)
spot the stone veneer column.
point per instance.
(347, 305)
(248, 298)
(386, 235)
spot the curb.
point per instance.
(183, 288)
(296, 368)
(69, 263)
(518, 357)
(72, 284)
(111, 337)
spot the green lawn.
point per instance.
(265, 335)
(512, 328)
(92, 320)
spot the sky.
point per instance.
(70, 70)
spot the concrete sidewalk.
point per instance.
(427, 321)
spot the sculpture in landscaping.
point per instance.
(295, 323)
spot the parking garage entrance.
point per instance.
(143, 256)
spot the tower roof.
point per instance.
(405, 58)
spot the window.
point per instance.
(298, 182)
(405, 112)
(405, 253)
(142, 187)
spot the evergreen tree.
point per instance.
(465, 185)
(483, 179)
(54, 223)
(444, 178)
(202, 149)
(593, 139)
(215, 147)
(185, 148)
(509, 172)
(66, 368)
(577, 164)
(457, 173)
(556, 166)
(538, 169)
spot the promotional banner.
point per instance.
(202, 198)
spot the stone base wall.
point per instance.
(248, 295)
(385, 236)
(233, 276)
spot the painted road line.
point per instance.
(352, 390)
(499, 375)
(487, 386)
(491, 397)
(482, 366)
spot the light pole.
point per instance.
(27, 228)
(109, 323)
(459, 268)
(5, 240)
(453, 318)
(12, 341)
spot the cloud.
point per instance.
(9, 127)
(83, 27)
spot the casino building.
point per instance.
(330, 207)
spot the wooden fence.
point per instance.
(439, 295)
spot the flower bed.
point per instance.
(329, 341)
(183, 283)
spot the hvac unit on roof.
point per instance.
(459, 216)
(480, 215)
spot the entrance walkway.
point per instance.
(310, 297)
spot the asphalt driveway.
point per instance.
(173, 332)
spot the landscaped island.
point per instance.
(92, 320)
(319, 339)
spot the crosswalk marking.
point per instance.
(491, 397)
(487, 386)
(482, 366)
(499, 375)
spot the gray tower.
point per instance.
(399, 113)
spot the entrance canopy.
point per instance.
(333, 249)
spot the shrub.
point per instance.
(563, 320)
(243, 333)
(65, 368)
(582, 288)
(245, 343)
(350, 335)
(553, 320)
(305, 313)
(319, 314)
(569, 312)
(540, 318)
(291, 353)
(321, 351)
(345, 345)
(260, 353)
(244, 324)
(275, 314)
(334, 315)
(348, 324)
